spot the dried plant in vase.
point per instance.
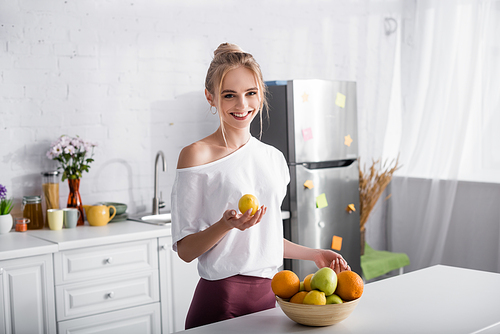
(372, 183)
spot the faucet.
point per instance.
(157, 203)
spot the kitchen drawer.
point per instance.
(102, 261)
(141, 320)
(108, 294)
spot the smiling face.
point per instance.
(239, 99)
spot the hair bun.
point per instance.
(227, 48)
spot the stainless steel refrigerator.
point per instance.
(314, 124)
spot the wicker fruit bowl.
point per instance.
(317, 315)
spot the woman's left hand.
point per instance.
(328, 258)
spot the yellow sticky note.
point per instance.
(350, 208)
(305, 97)
(347, 140)
(321, 201)
(309, 184)
(340, 100)
(336, 243)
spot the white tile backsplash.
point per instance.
(130, 76)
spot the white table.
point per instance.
(438, 299)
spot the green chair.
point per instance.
(376, 263)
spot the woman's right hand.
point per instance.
(243, 221)
(193, 245)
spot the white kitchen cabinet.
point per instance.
(104, 289)
(99, 296)
(27, 295)
(142, 319)
(178, 281)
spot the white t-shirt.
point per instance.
(201, 194)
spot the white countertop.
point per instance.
(87, 236)
(37, 242)
(439, 299)
(20, 244)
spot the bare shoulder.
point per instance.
(192, 155)
(196, 154)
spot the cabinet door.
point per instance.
(178, 281)
(83, 264)
(27, 295)
(108, 294)
(138, 320)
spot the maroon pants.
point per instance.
(228, 298)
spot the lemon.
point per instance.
(248, 202)
(307, 282)
(315, 297)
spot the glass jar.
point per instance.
(22, 224)
(32, 209)
(50, 186)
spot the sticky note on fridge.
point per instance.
(350, 208)
(305, 97)
(309, 184)
(307, 134)
(336, 243)
(340, 100)
(321, 201)
(347, 140)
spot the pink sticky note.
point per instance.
(307, 134)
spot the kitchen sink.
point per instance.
(159, 219)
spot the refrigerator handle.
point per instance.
(324, 164)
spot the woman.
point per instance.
(238, 254)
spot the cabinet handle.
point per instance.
(110, 295)
(164, 247)
(109, 260)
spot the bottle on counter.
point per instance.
(32, 209)
(50, 186)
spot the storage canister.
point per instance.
(22, 224)
(32, 209)
(50, 186)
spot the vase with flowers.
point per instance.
(5, 209)
(75, 156)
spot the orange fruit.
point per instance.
(349, 285)
(298, 297)
(307, 282)
(285, 284)
(248, 202)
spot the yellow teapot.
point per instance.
(98, 215)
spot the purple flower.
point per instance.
(69, 149)
(71, 152)
(3, 192)
(55, 151)
(64, 140)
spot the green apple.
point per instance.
(302, 287)
(324, 280)
(333, 299)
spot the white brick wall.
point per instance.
(130, 75)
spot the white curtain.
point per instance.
(448, 80)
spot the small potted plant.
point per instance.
(75, 156)
(5, 209)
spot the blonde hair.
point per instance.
(228, 57)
